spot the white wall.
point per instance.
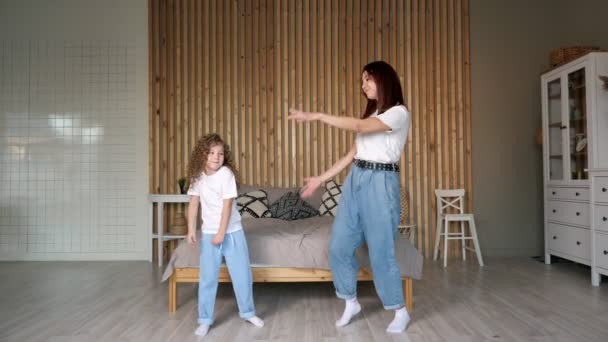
(73, 130)
(510, 46)
(57, 191)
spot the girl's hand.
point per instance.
(301, 116)
(191, 238)
(312, 184)
(218, 239)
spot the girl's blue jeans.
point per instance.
(234, 250)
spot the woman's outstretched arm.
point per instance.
(313, 183)
(369, 125)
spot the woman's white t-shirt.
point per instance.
(213, 190)
(385, 147)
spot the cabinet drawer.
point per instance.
(601, 250)
(601, 217)
(557, 237)
(568, 212)
(600, 188)
(578, 194)
(570, 240)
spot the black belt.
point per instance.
(376, 166)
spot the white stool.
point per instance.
(447, 199)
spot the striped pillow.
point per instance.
(253, 204)
(330, 199)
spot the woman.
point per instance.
(369, 206)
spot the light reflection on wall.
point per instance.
(68, 128)
(17, 152)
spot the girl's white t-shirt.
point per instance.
(385, 147)
(213, 190)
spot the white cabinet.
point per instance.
(599, 224)
(575, 144)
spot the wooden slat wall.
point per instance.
(236, 67)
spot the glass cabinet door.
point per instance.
(577, 125)
(554, 133)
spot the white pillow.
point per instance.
(253, 204)
(330, 199)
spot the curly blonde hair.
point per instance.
(198, 158)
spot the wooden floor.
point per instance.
(510, 299)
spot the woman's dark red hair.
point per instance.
(388, 88)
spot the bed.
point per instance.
(289, 251)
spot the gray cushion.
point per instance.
(275, 193)
(292, 207)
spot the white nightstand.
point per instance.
(161, 237)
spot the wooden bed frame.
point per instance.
(274, 275)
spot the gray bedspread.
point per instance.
(300, 243)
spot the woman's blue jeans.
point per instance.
(368, 212)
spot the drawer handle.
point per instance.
(605, 252)
(554, 210)
(603, 189)
(578, 243)
(554, 237)
(578, 214)
(604, 218)
(576, 194)
(553, 193)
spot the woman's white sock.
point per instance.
(351, 308)
(399, 323)
(202, 330)
(255, 320)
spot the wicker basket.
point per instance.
(406, 227)
(404, 214)
(179, 225)
(564, 55)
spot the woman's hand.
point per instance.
(218, 239)
(310, 186)
(301, 116)
(191, 238)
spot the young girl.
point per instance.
(211, 174)
(369, 206)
